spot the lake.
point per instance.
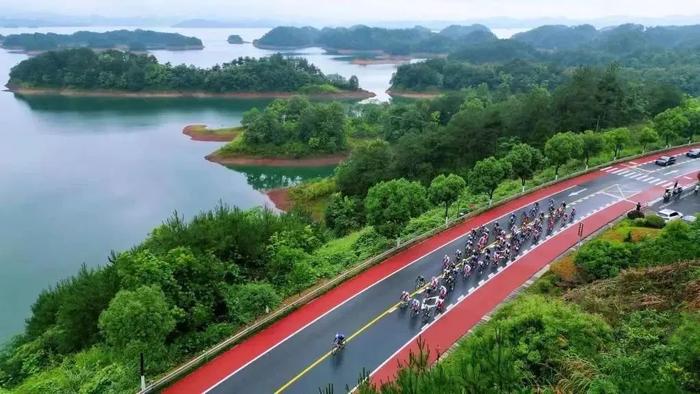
(82, 176)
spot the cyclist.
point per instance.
(440, 305)
(339, 340)
(573, 214)
(415, 305)
(420, 281)
(443, 291)
(405, 297)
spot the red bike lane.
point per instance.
(255, 346)
(448, 329)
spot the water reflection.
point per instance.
(265, 178)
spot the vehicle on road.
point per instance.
(693, 153)
(665, 161)
(669, 215)
(689, 218)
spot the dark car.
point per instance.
(694, 153)
(664, 161)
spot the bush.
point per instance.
(369, 243)
(635, 214)
(604, 259)
(248, 301)
(654, 221)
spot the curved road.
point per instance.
(293, 355)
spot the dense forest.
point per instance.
(621, 315)
(192, 283)
(136, 40)
(292, 128)
(117, 70)
(364, 38)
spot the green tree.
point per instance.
(647, 136)
(391, 204)
(671, 124)
(368, 164)
(601, 259)
(561, 148)
(524, 160)
(248, 301)
(446, 189)
(138, 321)
(617, 139)
(487, 174)
(344, 214)
(593, 144)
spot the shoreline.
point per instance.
(280, 198)
(348, 95)
(200, 132)
(246, 160)
(414, 95)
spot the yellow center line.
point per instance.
(358, 332)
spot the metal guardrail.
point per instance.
(275, 315)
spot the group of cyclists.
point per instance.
(483, 248)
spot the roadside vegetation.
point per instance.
(621, 314)
(192, 283)
(84, 69)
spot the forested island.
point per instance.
(235, 39)
(364, 38)
(86, 72)
(547, 55)
(136, 40)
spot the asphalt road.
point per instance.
(376, 328)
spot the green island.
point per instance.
(621, 314)
(235, 39)
(116, 73)
(193, 282)
(134, 40)
(363, 38)
(310, 133)
(545, 55)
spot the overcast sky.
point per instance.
(356, 10)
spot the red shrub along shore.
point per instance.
(280, 197)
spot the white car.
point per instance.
(690, 218)
(669, 215)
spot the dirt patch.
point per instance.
(243, 160)
(280, 197)
(413, 95)
(199, 132)
(346, 95)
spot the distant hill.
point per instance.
(558, 36)
(134, 40)
(365, 38)
(235, 39)
(460, 31)
(615, 40)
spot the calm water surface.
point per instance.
(81, 177)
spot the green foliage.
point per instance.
(135, 40)
(654, 221)
(247, 301)
(671, 124)
(116, 70)
(446, 189)
(677, 241)
(487, 174)
(344, 214)
(390, 205)
(138, 321)
(647, 136)
(563, 147)
(592, 144)
(366, 166)
(604, 259)
(524, 161)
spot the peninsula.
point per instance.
(83, 72)
(140, 40)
